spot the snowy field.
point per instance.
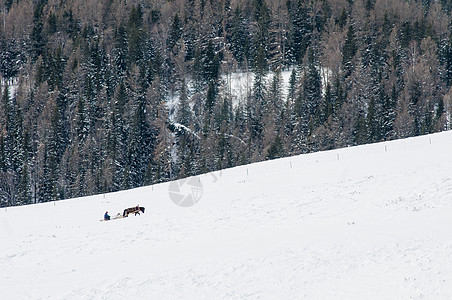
(368, 222)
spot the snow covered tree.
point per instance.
(119, 136)
(140, 145)
(175, 32)
(312, 95)
(238, 37)
(120, 52)
(301, 31)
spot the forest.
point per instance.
(87, 86)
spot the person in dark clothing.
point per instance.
(106, 216)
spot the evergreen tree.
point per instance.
(184, 115)
(262, 17)
(135, 35)
(2, 155)
(119, 138)
(312, 94)
(259, 78)
(120, 52)
(445, 57)
(238, 37)
(160, 165)
(83, 121)
(373, 122)
(302, 27)
(7, 112)
(360, 130)
(37, 38)
(24, 194)
(175, 32)
(139, 146)
(47, 184)
(389, 114)
(206, 65)
(328, 104)
(292, 86)
(349, 51)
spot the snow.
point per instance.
(240, 84)
(182, 127)
(367, 222)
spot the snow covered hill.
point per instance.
(368, 222)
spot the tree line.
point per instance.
(87, 86)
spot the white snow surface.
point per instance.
(367, 222)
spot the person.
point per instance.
(106, 216)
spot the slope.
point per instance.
(367, 222)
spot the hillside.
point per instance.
(367, 222)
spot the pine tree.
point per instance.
(37, 38)
(302, 27)
(160, 166)
(328, 104)
(238, 37)
(2, 155)
(139, 146)
(46, 183)
(184, 115)
(373, 122)
(206, 65)
(260, 71)
(211, 98)
(312, 94)
(389, 114)
(292, 86)
(175, 32)
(24, 194)
(120, 52)
(120, 135)
(262, 16)
(360, 130)
(349, 51)
(445, 56)
(135, 35)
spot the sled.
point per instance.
(118, 216)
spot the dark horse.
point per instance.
(133, 210)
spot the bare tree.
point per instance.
(9, 182)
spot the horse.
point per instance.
(133, 210)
